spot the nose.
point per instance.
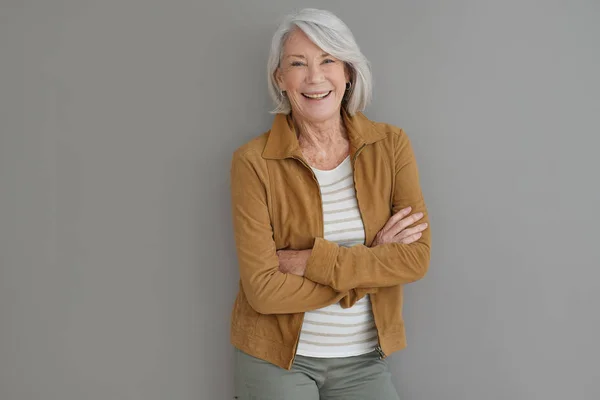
(315, 74)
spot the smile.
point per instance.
(316, 96)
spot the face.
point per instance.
(314, 81)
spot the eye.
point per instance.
(296, 64)
(328, 61)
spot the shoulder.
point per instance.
(391, 134)
(394, 144)
(389, 129)
(252, 149)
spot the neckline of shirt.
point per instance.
(334, 170)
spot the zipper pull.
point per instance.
(380, 351)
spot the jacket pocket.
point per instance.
(244, 317)
(276, 328)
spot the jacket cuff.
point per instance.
(319, 267)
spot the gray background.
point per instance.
(117, 124)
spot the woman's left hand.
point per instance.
(293, 261)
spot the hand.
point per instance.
(293, 261)
(395, 230)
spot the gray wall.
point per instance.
(117, 123)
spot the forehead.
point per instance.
(298, 43)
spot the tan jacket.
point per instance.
(276, 204)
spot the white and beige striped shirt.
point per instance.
(333, 331)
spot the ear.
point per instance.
(279, 78)
(348, 72)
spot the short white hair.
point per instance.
(332, 35)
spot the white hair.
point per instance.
(330, 33)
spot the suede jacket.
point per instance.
(276, 204)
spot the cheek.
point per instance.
(336, 74)
(293, 79)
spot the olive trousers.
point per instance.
(363, 377)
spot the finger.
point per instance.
(396, 217)
(406, 222)
(412, 238)
(411, 231)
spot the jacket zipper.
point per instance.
(380, 351)
(378, 348)
(322, 234)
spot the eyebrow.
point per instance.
(301, 56)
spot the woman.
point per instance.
(325, 209)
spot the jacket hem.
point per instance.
(392, 342)
(282, 355)
(263, 348)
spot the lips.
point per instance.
(317, 96)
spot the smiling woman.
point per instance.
(324, 233)
(327, 36)
(314, 82)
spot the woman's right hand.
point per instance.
(395, 229)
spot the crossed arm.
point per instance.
(303, 280)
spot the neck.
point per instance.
(321, 135)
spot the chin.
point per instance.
(321, 115)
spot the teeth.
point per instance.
(316, 96)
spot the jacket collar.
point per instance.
(283, 142)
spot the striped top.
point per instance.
(333, 331)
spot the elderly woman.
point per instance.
(330, 224)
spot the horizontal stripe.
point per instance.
(360, 228)
(374, 338)
(334, 314)
(343, 236)
(343, 314)
(350, 186)
(339, 200)
(372, 328)
(337, 221)
(338, 325)
(336, 182)
(337, 339)
(341, 210)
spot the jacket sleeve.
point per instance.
(384, 265)
(268, 290)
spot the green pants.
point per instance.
(362, 377)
